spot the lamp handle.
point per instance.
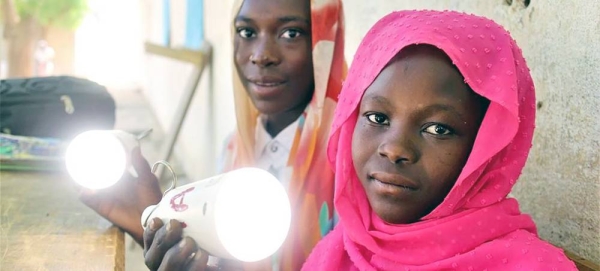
(168, 166)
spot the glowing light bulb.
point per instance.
(252, 214)
(97, 159)
(243, 214)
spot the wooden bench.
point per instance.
(582, 264)
(45, 227)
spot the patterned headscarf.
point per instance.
(311, 185)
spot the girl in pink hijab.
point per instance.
(432, 130)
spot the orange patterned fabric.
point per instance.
(311, 183)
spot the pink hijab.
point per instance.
(476, 227)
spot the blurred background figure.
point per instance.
(100, 40)
(33, 30)
(44, 59)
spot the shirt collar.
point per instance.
(262, 138)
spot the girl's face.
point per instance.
(416, 126)
(273, 56)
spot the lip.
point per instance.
(266, 81)
(266, 86)
(396, 180)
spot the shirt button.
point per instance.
(274, 147)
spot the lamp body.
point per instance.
(243, 214)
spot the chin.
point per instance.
(391, 219)
(267, 107)
(393, 214)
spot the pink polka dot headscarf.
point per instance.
(476, 227)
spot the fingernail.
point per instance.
(182, 243)
(153, 224)
(191, 257)
(169, 225)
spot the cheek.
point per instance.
(299, 59)
(448, 164)
(361, 147)
(241, 54)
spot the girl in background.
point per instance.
(289, 67)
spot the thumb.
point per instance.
(82, 191)
(139, 163)
(88, 197)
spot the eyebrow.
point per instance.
(379, 99)
(284, 19)
(382, 100)
(441, 107)
(287, 19)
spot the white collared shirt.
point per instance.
(272, 154)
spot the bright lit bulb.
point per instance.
(252, 214)
(243, 214)
(96, 159)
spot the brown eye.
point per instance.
(246, 33)
(438, 129)
(290, 34)
(378, 118)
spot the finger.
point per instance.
(84, 193)
(166, 237)
(150, 232)
(178, 256)
(225, 264)
(199, 262)
(140, 164)
(91, 198)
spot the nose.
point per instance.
(398, 148)
(265, 53)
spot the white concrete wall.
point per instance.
(166, 80)
(560, 186)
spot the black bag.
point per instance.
(57, 107)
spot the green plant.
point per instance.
(56, 13)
